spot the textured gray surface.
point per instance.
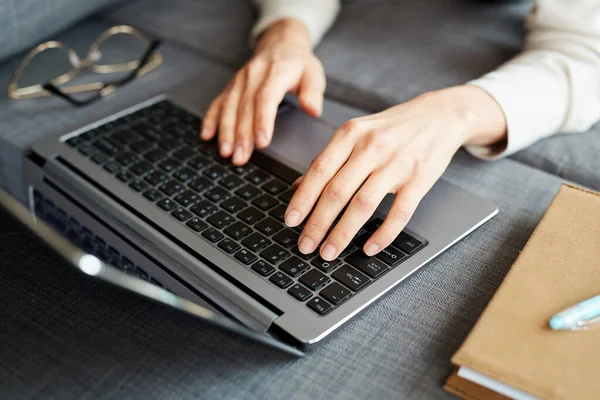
(66, 336)
(25, 23)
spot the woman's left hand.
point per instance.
(403, 150)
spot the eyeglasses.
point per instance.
(147, 61)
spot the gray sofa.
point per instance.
(379, 53)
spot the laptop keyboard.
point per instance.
(157, 153)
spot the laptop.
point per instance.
(146, 205)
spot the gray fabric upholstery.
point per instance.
(25, 23)
(71, 337)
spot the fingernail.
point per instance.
(262, 138)
(292, 218)
(328, 252)
(306, 245)
(225, 149)
(372, 249)
(238, 156)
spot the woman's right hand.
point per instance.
(244, 113)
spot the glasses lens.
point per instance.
(46, 66)
(120, 49)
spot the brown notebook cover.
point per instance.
(511, 342)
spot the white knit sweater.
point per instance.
(553, 86)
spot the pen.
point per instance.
(579, 316)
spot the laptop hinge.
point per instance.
(188, 267)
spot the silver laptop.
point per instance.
(139, 191)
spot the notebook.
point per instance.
(511, 352)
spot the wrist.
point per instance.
(289, 31)
(479, 118)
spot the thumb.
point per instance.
(311, 89)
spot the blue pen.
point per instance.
(580, 316)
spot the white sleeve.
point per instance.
(553, 86)
(317, 15)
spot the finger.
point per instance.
(406, 202)
(312, 89)
(229, 113)
(297, 182)
(209, 124)
(244, 133)
(335, 196)
(274, 88)
(321, 170)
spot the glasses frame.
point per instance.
(151, 60)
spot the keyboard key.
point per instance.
(245, 256)
(314, 279)
(275, 186)
(248, 192)
(187, 198)
(287, 195)
(124, 176)
(286, 238)
(171, 188)
(228, 245)
(251, 215)
(275, 254)
(407, 243)
(335, 293)
(231, 182)
(391, 256)
(281, 280)
(181, 214)
(263, 268)
(360, 240)
(86, 150)
(126, 158)
(294, 267)
(125, 137)
(147, 131)
(234, 205)
(196, 224)
(155, 155)
(141, 146)
(212, 235)
(169, 144)
(200, 184)
(279, 212)
(137, 185)
(369, 265)
(198, 162)
(215, 172)
(175, 129)
(373, 225)
(156, 178)
(106, 147)
(112, 167)
(184, 174)
(167, 204)
(258, 177)
(238, 230)
(319, 305)
(351, 278)
(348, 250)
(169, 165)
(256, 242)
(203, 209)
(220, 219)
(184, 154)
(140, 168)
(217, 194)
(326, 266)
(244, 169)
(300, 292)
(99, 158)
(265, 202)
(303, 256)
(152, 195)
(268, 226)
